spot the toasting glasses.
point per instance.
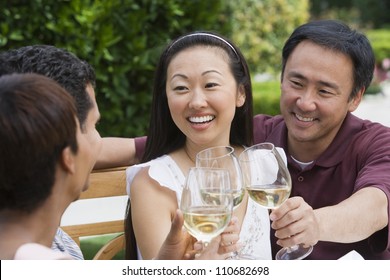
(268, 183)
(206, 203)
(223, 157)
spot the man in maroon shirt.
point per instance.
(339, 164)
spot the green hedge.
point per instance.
(380, 42)
(122, 39)
(266, 97)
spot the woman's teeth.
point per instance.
(202, 119)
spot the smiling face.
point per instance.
(202, 95)
(316, 88)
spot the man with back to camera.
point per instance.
(38, 119)
(78, 78)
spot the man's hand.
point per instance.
(295, 223)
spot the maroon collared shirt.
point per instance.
(358, 157)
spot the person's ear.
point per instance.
(68, 160)
(354, 103)
(241, 96)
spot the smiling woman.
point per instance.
(194, 85)
(202, 98)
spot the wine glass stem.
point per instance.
(292, 248)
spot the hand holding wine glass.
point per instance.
(268, 183)
(206, 202)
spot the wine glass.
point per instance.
(206, 202)
(268, 183)
(224, 157)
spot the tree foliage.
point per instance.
(380, 42)
(122, 40)
(260, 28)
(362, 13)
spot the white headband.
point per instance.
(206, 34)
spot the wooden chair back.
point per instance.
(103, 183)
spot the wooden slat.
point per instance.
(111, 248)
(106, 183)
(94, 228)
(103, 183)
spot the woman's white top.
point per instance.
(255, 229)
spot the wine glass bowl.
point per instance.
(223, 157)
(268, 183)
(206, 202)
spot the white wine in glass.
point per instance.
(268, 183)
(269, 196)
(223, 157)
(206, 202)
